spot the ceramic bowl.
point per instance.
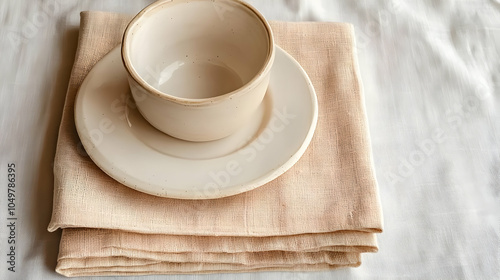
(198, 69)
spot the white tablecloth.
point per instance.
(431, 73)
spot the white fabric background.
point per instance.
(431, 72)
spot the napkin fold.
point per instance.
(321, 214)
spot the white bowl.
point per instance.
(198, 69)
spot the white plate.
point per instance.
(130, 150)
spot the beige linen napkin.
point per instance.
(321, 214)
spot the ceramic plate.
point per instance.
(125, 146)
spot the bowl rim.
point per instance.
(132, 73)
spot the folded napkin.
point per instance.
(321, 214)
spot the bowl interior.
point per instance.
(198, 49)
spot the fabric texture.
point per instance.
(321, 214)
